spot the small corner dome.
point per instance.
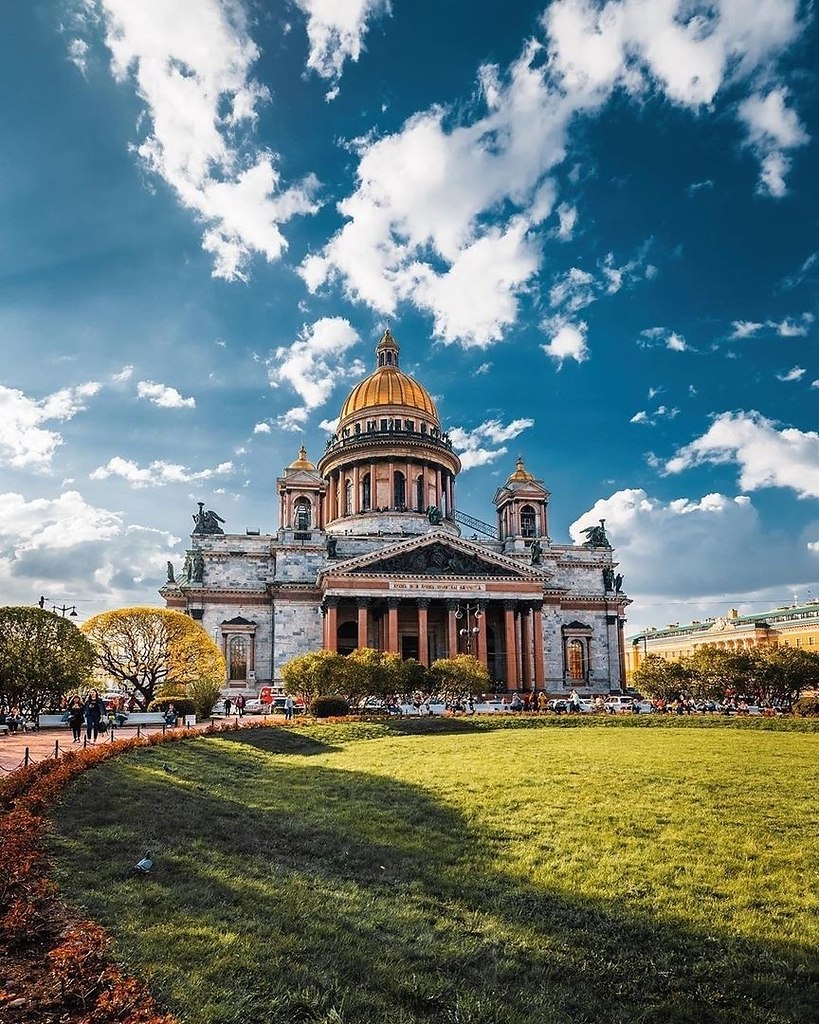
(302, 462)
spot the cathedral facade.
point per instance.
(370, 551)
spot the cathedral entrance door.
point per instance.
(409, 647)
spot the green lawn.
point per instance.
(369, 873)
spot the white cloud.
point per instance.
(262, 428)
(78, 54)
(640, 417)
(699, 186)
(797, 373)
(66, 548)
(567, 341)
(661, 412)
(157, 474)
(470, 444)
(482, 369)
(694, 551)
(766, 456)
(331, 426)
(429, 194)
(745, 329)
(24, 441)
(124, 375)
(335, 30)
(313, 365)
(790, 327)
(574, 291)
(567, 215)
(190, 62)
(163, 396)
(813, 546)
(673, 340)
(772, 129)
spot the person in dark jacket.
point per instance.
(76, 715)
(94, 710)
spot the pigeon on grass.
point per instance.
(144, 866)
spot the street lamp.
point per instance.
(471, 612)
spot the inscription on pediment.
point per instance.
(435, 560)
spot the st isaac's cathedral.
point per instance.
(369, 552)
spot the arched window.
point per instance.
(366, 494)
(348, 498)
(303, 514)
(419, 493)
(527, 521)
(237, 658)
(576, 659)
(399, 488)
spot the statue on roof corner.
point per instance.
(206, 522)
(434, 515)
(596, 536)
(536, 552)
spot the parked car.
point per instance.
(490, 707)
(618, 705)
(253, 706)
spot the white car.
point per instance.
(617, 705)
(490, 707)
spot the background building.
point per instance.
(793, 625)
(369, 552)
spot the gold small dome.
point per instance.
(302, 462)
(521, 475)
(388, 386)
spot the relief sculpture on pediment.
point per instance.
(436, 560)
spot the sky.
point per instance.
(592, 228)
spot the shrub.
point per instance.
(203, 693)
(182, 705)
(807, 706)
(329, 707)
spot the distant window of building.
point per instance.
(799, 641)
(366, 493)
(527, 521)
(303, 512)
(409, 424)
(237, 658)
(810, 641)
(383, 424)
(576, 659)
(399, 489)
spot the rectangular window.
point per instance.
(799, 641)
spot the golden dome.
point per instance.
(388, 386)
(302, 462)
(521, 474)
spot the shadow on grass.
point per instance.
(335, 896)
(278, 740)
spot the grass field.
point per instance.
(377, 873)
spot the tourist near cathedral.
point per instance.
(371, 550)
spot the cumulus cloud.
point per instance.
(262, 428)
(772, 129)
(66, 548)
(24, 440)
(471, 444)
(163, 396)
(566, 341)
(335, 31)
(157, 474)
(124, 375)
(567, 217)
(313, 365)
(766, 455)
(429, 196)
(672, 340)
(661, 412)
(789, 327)
(191, 62)
(694, 549)
(797, 373)
(78, 54)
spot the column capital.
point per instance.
(330, 601)
(510, 606)
(363, 602)
(393, 602)
(422, 602)
(452, 606)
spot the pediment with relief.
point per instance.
(436, 557)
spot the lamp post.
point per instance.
(471, 613)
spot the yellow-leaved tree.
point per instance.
(144, 649)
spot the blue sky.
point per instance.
(592, 228)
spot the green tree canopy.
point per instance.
(317, 673)
(42, 657)
(659, 678)
(457, 678)
(146, 648)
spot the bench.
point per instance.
(135, 718)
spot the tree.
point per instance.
(372, 673)
(668, 680)
(718, 673)
(459, 677)
(42, 657)
(146, 648)
(318, 673)
(779, 675)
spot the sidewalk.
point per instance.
(55, 742)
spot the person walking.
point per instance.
(228, 705)
(288, 708)
(240, 705)
(76, 716)
(94, 710)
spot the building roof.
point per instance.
(388, 386)
(302, 462)
(762, 620)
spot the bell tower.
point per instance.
(521, 505)
(301, 493)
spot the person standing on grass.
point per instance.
(76, 716)
(94, 710)
(288, 708)
(240, 705)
